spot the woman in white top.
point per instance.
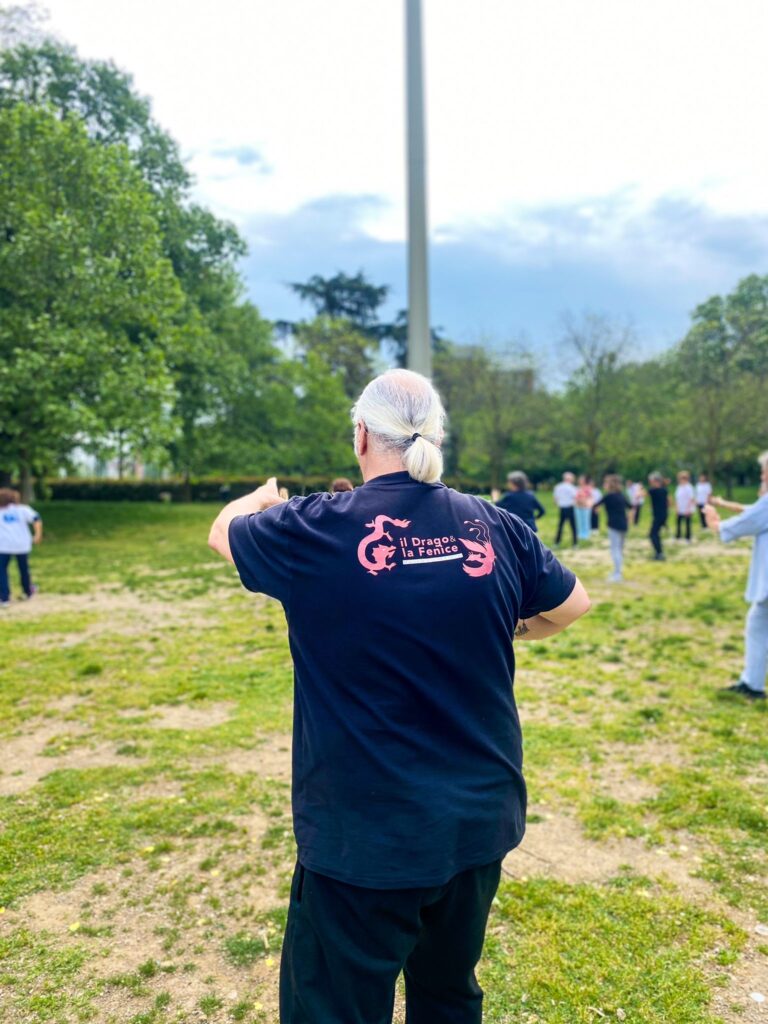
(16, 540)
(685, 503)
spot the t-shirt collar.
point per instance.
(397, 479)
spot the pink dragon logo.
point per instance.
(480, 550)
(382, 553)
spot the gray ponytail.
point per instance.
(396, 406)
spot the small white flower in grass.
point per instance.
(757, 997)
(620, 1014)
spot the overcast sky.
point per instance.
(602, 154)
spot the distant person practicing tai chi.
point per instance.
(341, 485)
(616, 504)
(583, 507)
(703, 494)
(685, 503)
(659, 496)
(520, 500)
(565, 499)
(407, 756)
(751, 522)
(636, 495)
(16, 540)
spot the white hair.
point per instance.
(762, 458)
(396, 406)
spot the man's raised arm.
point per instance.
(545, 624)
(262, 498)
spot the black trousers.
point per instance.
(567, 515)
(345, 947)
(683, 522)
(702, 517)
(655, 535)
(636, 514)
(26, 582)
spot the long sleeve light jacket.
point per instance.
(752, 522)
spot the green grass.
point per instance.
(173, 840)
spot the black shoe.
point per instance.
(660, 557)
(744, 690)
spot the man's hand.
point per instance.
(262, 498)
(712, 518)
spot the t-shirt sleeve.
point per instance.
(29, 514)
(261, 548)
(546, 582)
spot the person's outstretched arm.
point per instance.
(262, 498)
(753, 520)
(545, 624)
(37, 531)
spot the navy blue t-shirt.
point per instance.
(401, 600)
(524, 504)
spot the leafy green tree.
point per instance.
(345, 350)
(87, 299)
(318, 430)
(722, 366)
(597, 346)
(102, 97)
(344, 297)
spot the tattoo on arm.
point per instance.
(521, 629)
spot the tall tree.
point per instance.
(596, 347)
(722, 364)
(344, 297)
(87, 299)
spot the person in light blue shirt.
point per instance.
(752, 521)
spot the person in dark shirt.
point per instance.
(521, 501)
(615, 502)
(659, 496)
(407, 755)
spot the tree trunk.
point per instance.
(27, 482)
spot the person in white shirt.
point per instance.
(685, 502)
(16, 541)
(565, 499)
(703, 494)
(636, 495)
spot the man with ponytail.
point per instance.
(403, 598)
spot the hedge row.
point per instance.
(220, 490)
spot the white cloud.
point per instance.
(535, 102)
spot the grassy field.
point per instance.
(145, 835)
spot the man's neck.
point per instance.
(381, 467)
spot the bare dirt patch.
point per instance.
(269, 757)
(25, 763)
(556, 848)
(181, 716)
(122, 611)
(735, 1003)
